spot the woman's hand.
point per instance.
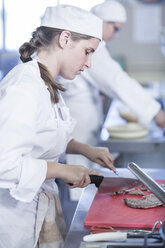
(102, 156)
(160, 118)
(76, 175)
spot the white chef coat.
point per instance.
(106, 76)
(33, 131)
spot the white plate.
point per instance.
(128, 131)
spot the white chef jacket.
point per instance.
(106, 76)
(33, 131)
(30, 126)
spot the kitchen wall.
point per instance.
(143, 61)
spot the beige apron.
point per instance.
(50, 225)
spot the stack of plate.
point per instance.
(128, 131)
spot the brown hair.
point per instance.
(42, 37)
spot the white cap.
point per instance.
(73, 19)
(111, 11)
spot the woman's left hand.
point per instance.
(102, 156)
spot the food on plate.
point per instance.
(127, 114)
(129, 117)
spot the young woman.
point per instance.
(35, 129)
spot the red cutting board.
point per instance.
(111, 211)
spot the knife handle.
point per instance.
(106, 236)
(94, 180)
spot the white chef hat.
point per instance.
(111, 11)
(73, 19)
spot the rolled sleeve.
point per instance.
(32, 176)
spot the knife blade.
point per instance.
(114, 184)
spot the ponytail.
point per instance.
(26, 50)
(40, 38)
(53, 86)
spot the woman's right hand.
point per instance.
(160, 118)
(76, 175)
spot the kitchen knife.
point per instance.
(114, 184)
(147, 181)
(118, 236)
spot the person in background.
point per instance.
(108, 77)
(36, 127)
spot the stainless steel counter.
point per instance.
(77, 229)
(132, 146)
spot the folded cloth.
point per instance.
(100, 229)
